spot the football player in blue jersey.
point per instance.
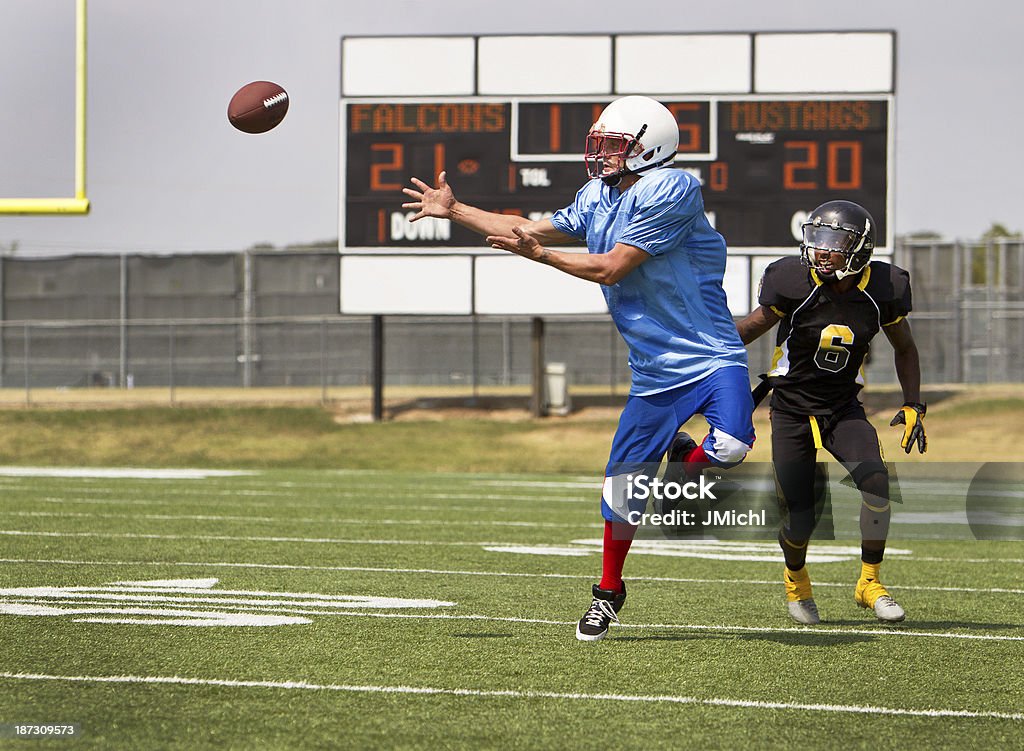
(660, 264)
(830, 302)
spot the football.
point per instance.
(258, 106)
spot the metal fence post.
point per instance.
(506, 352)
(377, 376)
(123, 323)
(247, 305)
(170, 361)
(1016, 368)
(475, 355)
(323, 361)
(537, 393)
(990, 281)
(28, 385)
(960, 354)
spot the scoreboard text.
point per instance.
(762, 162)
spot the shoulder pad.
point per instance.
(887, 282)
(789, 277)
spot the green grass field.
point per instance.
(245, 611)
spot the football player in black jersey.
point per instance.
(830, 302)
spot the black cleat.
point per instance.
(593, 626)
(681, 446)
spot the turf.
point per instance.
(705, 658)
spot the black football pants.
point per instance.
(802, 483)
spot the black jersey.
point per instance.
(824, 336)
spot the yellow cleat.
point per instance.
(799, 598)
(870, 593)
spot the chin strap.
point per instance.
(842, 273)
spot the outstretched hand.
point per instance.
(427, 201)
(522, 244)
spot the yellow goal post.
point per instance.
(79, 204)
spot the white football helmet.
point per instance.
(639, 131)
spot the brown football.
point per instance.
(258, 106)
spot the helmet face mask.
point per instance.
(840, 228)
(607, 153)
(633, 134)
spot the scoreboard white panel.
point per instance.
(542, 65)
(387, 66)
(510, 285)
(683, 64)
(406, 285)
(737, 285)
(835, 62)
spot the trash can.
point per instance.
(556, 389)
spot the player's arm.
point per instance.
(759, 321)
(906, 359)
(908, 371)
(440, 202)
(604, 268)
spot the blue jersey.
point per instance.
(671, 310)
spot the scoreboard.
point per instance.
(763, 161)
(768, 135)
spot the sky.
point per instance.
(166, 172)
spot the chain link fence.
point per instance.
(301, 351)
(968, 316)
(270, 319)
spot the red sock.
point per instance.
(696, 461)
(618, 536)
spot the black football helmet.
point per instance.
(838, 227)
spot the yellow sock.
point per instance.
(869, 571)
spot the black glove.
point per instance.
(911, 417)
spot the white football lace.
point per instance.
(271, 101)
(599, 610)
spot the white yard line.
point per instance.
(332, 499)
(480, 617)
(171, 492)
(933, 559)
(498, 574)
(335, 492)
(519, 694)
(475, 509)
(128, 473)
(471, 477)
(343, 541)
(241, 538)
(287, 520)
(718, 628)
